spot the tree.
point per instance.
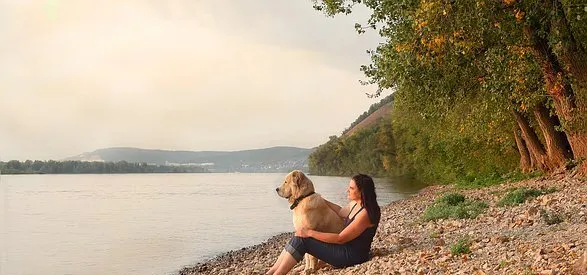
(439, 53)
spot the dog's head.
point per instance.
(295, 185)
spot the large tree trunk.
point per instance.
(555, 142)
(574, 63)
(538, 155)
(557, 86)
(525, 163)
(573, 55)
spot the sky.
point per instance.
(222, 75)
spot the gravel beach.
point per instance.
(519, 239)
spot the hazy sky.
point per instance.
(79, 75)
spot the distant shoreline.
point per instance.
(15, 167)
(259, 165)
(121, 173)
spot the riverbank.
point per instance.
(544, 235)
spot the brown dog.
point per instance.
(309, 209)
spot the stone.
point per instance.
(532, 211)
(439, 242)
(580, 267)
(404, 240)
(501, 239)
(442, 259)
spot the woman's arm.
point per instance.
(352, 231)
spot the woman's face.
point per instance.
(353, 192)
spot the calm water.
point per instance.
(143, 223)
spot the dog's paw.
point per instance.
(299, 270)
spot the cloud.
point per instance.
(186, 75)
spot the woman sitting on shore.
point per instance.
(349, 247)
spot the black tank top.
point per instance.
(363, 241)
(348, 221)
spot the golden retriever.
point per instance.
(309, 209)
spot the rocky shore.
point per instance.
(521, 239)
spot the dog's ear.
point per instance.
(295, 177)
(298, 177)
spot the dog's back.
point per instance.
(314, 213)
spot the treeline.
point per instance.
(85, 167)
(365, 151)
(482, 89)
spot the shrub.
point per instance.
(460, 247)
(453, 206)
(491, 179)
(451, 199)
(520, 195)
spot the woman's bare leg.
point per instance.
(286, 264)
(277, 262)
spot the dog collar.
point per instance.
(298, 200)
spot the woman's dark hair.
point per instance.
(368, 196)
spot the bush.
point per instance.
(455, 206)
(520, 195)
(451, 199)
(493, 179)
(460, 247)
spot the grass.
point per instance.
(453, 205)
(521, 195)
(503, 264)
(474, 182)
(462, 246)
(451, 199)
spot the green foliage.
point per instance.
(520, 195)
(451, 199)
(368, 150)
(471, 181)
(462, 246)
(453, 205)
(440, 150)
(458, 71)
(503, 264)
(85, 167)
(359, 153)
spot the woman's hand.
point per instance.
(303, 232)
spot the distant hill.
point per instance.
(275, 159)
(372, 116)
(372, 119)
